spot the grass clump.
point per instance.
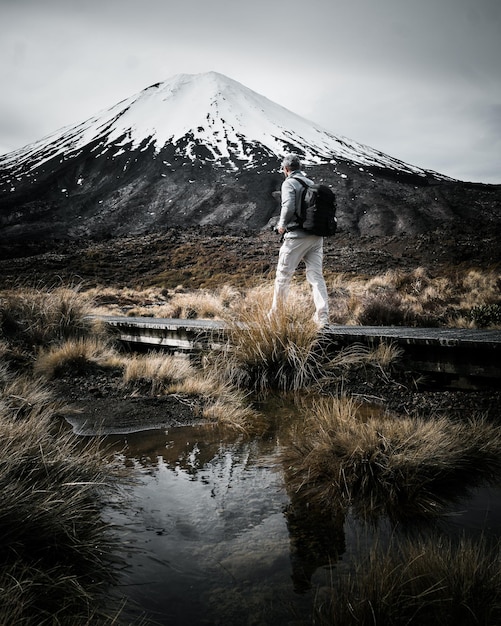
(432, 580)
(281, 353)
(56, 559)
(32, 317)
(233, 412)
(76, 357)
(155, 374)
(389, 465)
(383, 356)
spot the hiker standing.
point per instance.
(298, 245)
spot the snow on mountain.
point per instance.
(202, 151)
(209, 110)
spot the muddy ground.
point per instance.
(104, 405)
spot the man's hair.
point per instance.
(291, 162)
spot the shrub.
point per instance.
(486, 315)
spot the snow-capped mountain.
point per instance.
(231, 122)
(202, 150)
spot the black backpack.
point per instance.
(318, 209)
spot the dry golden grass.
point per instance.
(265, 354)
(77, 356)
(22, 396)
(389, 465)
(413, 298)
(431, 580)
(192, 305)
(221, 403)
(421, 299)
(37, 317)
(479, 287)
(57, 555)
(157, 302)
(156, 374)
(232, 412)
(354, 356)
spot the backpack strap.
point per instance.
(304, 183)
(303, 192)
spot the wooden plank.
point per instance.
(452, 351)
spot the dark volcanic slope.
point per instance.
(200, 151)
(145, 198)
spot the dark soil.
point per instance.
(212, 259)
(404, 393)
(102, 404)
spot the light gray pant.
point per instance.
(294, 250)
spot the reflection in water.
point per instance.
(209, 540)
(317, 539)
(216, 537)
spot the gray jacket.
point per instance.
(291, 200)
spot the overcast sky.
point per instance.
(417, 79)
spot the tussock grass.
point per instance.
(417, 298)
(34, 317)
(456, 298)
(21, 396)
(395, 297)
(77, 356)
(233, 412)
(281, 353)
(389, 465)
(221, 403)
(432, 581)
(354, 356)
(480, 287)
(56, 560)
(190, 305)
(55, 541)
(156, 374)
(168, 303)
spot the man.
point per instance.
(298, 245)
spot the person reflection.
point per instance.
(317, 539)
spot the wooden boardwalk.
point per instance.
(448, 351)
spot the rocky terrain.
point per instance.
(371, 201)
(211, 258)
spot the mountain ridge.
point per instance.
(203, 150)
(218, 111)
